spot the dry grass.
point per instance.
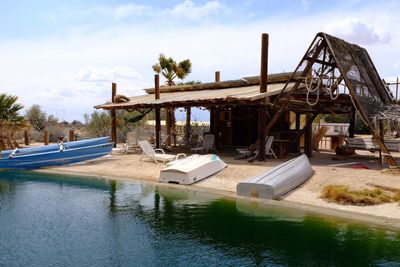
(341, 194)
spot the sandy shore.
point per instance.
(328, 169)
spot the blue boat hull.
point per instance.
(56, 147)
(56, 158)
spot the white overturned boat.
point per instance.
(191, 169)
(277, 181)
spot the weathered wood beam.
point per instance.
(46, 137)
(330, 63)
(262, 116)
(217, 77)
(71, 135)
(308, 135)
(246, 81)
(157, 109)
(264, 63)
(352, 125)
(113, 116)
(26, 138)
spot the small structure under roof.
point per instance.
(333, 76)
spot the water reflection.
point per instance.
(262, 234)
(158, 225)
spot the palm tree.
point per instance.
(10, 120)
(170, 69)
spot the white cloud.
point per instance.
(357, 31)
(99, 75)
(128, 10)
(189, 10)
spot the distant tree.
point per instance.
(76, 123)
(98, 124)
(170, 69)
(36, 117)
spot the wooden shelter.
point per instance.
(332, 77)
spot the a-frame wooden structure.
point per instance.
(328, 64)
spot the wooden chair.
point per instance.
(208, 144)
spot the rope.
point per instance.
(312, 90)
(329, 86)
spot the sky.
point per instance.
(64, 55)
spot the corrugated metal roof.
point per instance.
(247, 93)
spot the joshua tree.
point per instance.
(171, 70)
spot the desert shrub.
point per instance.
(341, 194)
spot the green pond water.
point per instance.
(52, 220)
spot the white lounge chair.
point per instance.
(208, 144)
(157, 154)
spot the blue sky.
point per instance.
(63, 55)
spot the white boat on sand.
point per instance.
(277, 181)
(191, 169)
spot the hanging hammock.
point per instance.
(136, 117)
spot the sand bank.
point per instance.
(328, 170)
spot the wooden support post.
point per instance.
(264, 63)
(216, 127)
(187, 124)
(71, 135)
(262, 116)
(212, 122)
(382, 134)
(397, 88)
(113, 116)
(308, 136)
(352, 125)
(297, 126)
(173, 124)
(297, 121)
(46, 137)
(212, 109)
(217, 76)
(158, 115)
(168, 125)
(26, 137)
